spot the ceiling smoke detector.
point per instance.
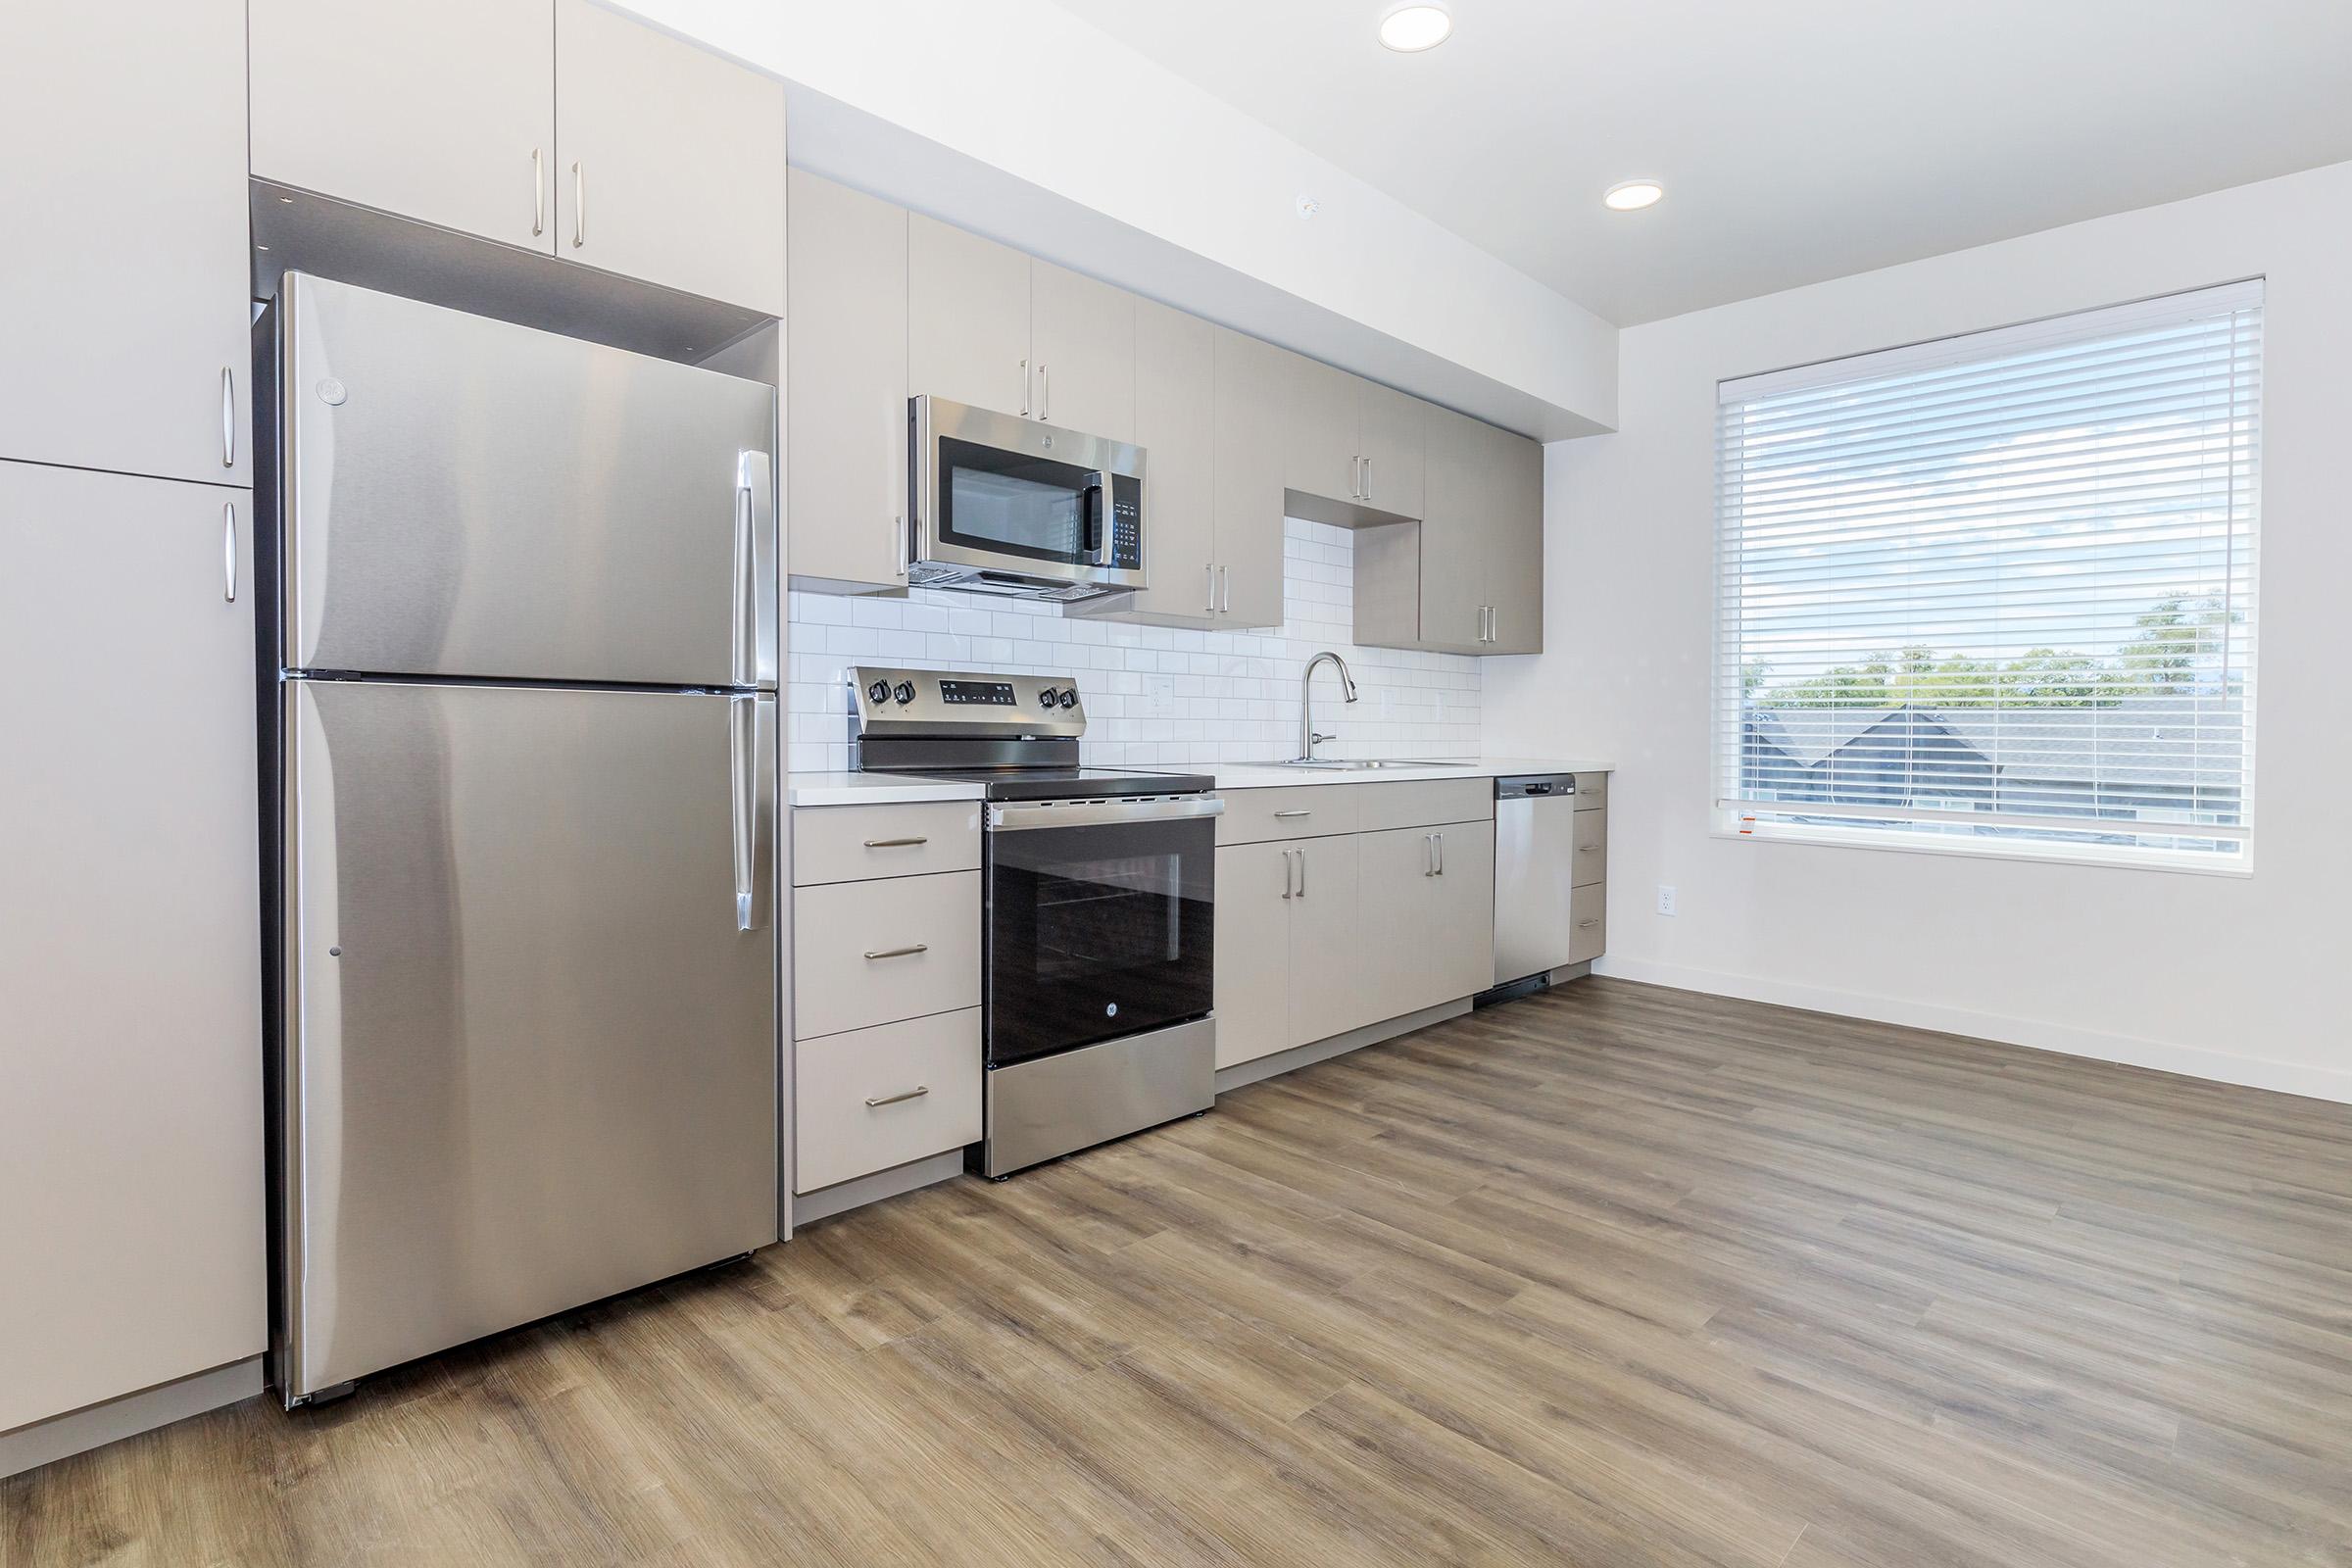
(1409, 30)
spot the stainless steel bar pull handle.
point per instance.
(1288, 877)
(917, 1093)
(1302, 873)
(894, 843)
(1224, 590)
(1212, 571)
(1441, 838)
(580, 208)
(872, 954)
(228, 551)
(228, 418)
(1044, 391)
(745, 798)
(1280, 816)
(1429, 855)
(538, 194)
(1367, 478)
(1585, 925)
(1024, 389)
(1586, 848)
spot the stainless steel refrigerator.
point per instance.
(526, 975)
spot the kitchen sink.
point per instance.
(1364, 764)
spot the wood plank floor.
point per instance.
(1614, 1275)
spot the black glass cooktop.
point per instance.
(1069, 783)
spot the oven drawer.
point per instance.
(868, 953)
(1298, 812)
(871, 1099)
(854, 843)
(1425, 803)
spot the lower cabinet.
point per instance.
(130, 1024)
(1319, 936)
(871, 1099)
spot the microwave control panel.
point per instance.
(1126, 522)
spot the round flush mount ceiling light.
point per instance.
(1409, 30)
(1632, 195)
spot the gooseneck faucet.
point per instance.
(1306, 701)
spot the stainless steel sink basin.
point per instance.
(1363, 765)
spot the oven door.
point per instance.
(1000, 494)
(1100, 921)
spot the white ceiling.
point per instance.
(1798, 139)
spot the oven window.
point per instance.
(1009, 501)
(1106, 917)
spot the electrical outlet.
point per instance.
(1665, 899)
(1159, 696)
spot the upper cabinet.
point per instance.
(125, 239)
(993, 327)
(1514, 546)
(549, 124)
(670, 161)
(845, 389)
(1469, 577)
(1250, 468)
(439, 110)
(1176, 425)
(1354, 445)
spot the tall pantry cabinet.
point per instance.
(130, 1093)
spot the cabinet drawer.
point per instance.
(1311, 810)
(854, 843)
(868, 953)
(1424, 803)
(1588, 922)
(855, 1105)
(1592, 847)
(1592, 790)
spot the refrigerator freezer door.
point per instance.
(468, 498)
(530, 1036)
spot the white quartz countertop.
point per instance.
(872, 789)
(1251, 776)
(888, 788)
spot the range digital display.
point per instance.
(989, 693)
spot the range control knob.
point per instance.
(905, 693)
(1069, 698)
(1047, 698)
(878, 692)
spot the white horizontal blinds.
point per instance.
(2001, 584)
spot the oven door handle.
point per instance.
(1093, 814)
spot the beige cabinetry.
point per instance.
(1350, 442)
(1176, 425)
(1469, 577)
(130, 1091)
(1345, 904)
(122, 237)
(1082, 339)
(1249, 464)
(885, 986)
(555, 126)
(845, 389)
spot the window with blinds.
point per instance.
(1996, 593)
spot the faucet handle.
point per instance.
(1320, 739)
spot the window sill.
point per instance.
(1900, 843)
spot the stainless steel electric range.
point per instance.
(1099, 915)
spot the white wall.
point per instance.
(2239, 979)
(1071, 145)
(1234, 694)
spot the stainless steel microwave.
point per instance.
(1006, 504)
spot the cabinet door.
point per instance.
(1399, 895)
(1176, 425)
(123, 242)
(1251, 452)
(669, 161)
(1453, 533)
(1253, 951)
(1321, 420)
(442, 110)
(1393, 441)
(1082, 346)
(1327, 970)
(967, 319)
(1459, 939)
(131, 1092)
(845, 388)
(1515, 546)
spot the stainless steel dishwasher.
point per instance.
(1535, 875)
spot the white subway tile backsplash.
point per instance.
(1236, 692)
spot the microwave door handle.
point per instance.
(1098, 508)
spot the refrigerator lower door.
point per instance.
(466, 498)
(530, 1038)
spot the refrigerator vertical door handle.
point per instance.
(751, 770)
(228, 551)
(754, 595)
